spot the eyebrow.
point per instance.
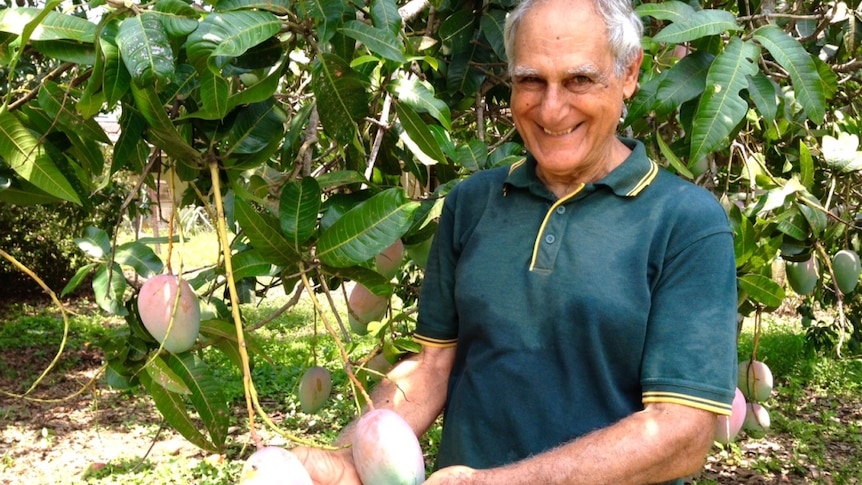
(589, 70)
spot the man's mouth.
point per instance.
(558, 133)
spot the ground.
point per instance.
(62, 440)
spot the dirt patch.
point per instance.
(52, 438)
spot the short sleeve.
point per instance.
(690, 347)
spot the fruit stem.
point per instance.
(221, 228)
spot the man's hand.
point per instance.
(328, 467)
(454, 475)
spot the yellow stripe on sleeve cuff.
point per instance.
(433, 342)
(692, 401)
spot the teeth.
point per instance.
(558, 133)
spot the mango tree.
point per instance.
(321, 133)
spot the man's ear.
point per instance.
(631, 75)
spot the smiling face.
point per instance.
(566, 99)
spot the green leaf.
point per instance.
(130, 150)
(179, 18)
(96, 243)
(761, 289)
(278, 7)
(341, 97)
(224, 36)
(673, 11)
(79, 277)
(419, 95)
(220, 329)
(473, 155)
(492, 25)
(671, 157)
(721, 107)
(298, 209)
(367, 229)
(806, 166)
(380, 42)
(792, 223)
(814, 213)
(790, 54)
(215, 93)
(141, 257)
(59, 104)
(384, 15)
(250, 264)
(422, 138)
(109, 284)
(25, 154)
(146, 50)
(456, 30)
(173, 407)
(255, 127)
(685, 80)
(762, 92)
(206, 394)
(161, 131)
(162, 375)
(116, 79)
(702, 23)
(54, 25)
(66, 50)
(263, 232)
(262, 90)
(744, 236)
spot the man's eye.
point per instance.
(529, 81)
(581, 81)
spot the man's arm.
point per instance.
(415, 389)
(663, 442)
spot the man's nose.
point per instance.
(554, 105)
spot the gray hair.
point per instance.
(624, 28)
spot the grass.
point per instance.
(808, 408)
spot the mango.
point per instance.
(847, 268)
(388, 262)
(314, 388)
(727, 427)
(385, 450)
(803, 275)
(156, 304)
(364, 307)
(757, 420)
(273, 465)
(755, 380)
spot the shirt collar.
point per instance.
(627, 180)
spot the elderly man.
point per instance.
(578, 310)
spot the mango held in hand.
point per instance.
(314, 388)
(847, 268)
(385, 450)
(273, 465)
(728, 427)
(156, 302)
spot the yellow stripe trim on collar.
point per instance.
(550, 212)
(645, 181)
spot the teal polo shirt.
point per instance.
(569, 314)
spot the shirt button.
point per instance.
(561, 209)
(550, 239)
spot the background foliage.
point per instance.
(320, 132)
